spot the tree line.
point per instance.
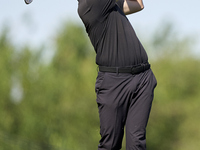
(51, 106)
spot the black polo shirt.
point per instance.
(111, 33)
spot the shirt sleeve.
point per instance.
(120, 3)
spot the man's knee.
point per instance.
(136, 140)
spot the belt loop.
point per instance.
(117, 70)
(97, 69)
(143, 66)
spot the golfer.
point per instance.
(125, 83)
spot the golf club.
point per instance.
(28, 1)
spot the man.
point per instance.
(125, 83)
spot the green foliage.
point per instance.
(174, 118)
(52, 106)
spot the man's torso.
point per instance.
(111, 34)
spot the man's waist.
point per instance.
(133, 69)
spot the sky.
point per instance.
(39, 21)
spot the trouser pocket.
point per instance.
(99, 81)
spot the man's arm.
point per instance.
(132, 6)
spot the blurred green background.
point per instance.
(51, 105)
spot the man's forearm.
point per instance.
(140, 2)
(132, 6)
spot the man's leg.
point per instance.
(139, 110)
(112, 103)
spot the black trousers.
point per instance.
(124, 101)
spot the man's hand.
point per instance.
(132, 6)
